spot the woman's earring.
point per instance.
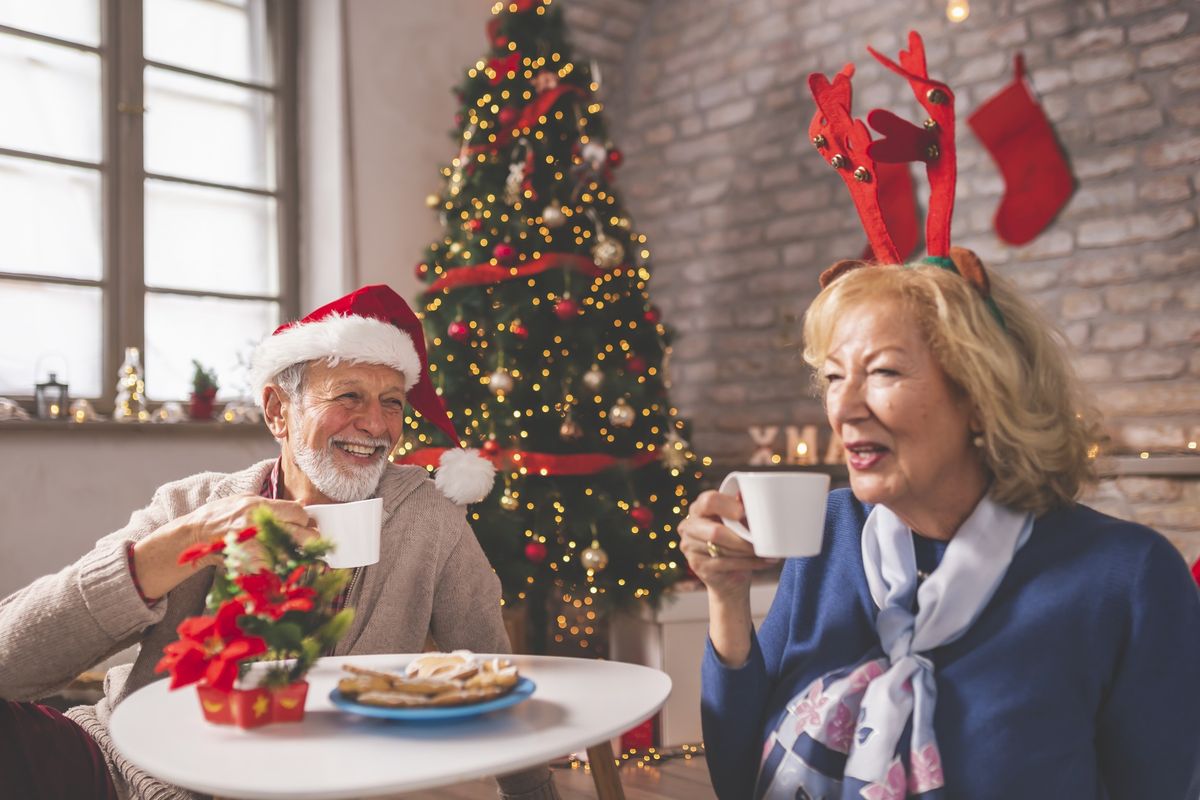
(978, 440)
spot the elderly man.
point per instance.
(333, 388)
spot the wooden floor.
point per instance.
(672, 780)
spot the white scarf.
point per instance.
(862, 710)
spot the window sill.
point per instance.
(247, 430)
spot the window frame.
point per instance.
(123, 175)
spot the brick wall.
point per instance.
(707, 98)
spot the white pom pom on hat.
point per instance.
(374, 325)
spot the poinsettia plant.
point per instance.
(273, 599)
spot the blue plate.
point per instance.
(519, 693)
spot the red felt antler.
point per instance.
(932, 144)
(844, 142)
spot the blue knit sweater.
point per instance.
(1080, 679)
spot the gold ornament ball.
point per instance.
(594, 378)
(570, 430)
(432, 200)
(622, 414)
(553, 217)
(594, 558)
(509, 503)
(608, 253)
(500, 381)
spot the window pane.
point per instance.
(57, 92)
(221, 38)
(76, 20)
(210, 240)
(219, 333)
(46, 327)
(49, 219)
(202, 129)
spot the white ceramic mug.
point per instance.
(785, 511)
(353, 528)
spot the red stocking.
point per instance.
(1037, 180)
(898, 204)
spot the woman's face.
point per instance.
(906, 429)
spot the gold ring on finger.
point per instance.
(714, 550)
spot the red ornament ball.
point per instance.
(615, 157)
(535, 552)
(422, 269)
(635, 364)
(459, 331)
(508, 116)
(566, 309)
(642, 515)
(653, 315)
(504, 253)
(474, 224)
(490, 447)
(519, 330)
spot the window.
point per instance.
(147, 189)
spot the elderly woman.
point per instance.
(968, 629)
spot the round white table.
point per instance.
(578, 704)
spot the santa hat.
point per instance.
(373, 325)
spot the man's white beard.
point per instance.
(340, 484)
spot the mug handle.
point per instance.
(729, 486)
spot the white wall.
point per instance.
(403, 61)
(60, 491)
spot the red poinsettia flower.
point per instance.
(199, 551)
(270, 596)
(210, 647)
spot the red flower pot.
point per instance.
(287, 703)
(251, 708)
(201, 405)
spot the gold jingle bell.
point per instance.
(932, 152)
(838, 161)
(937, 97)
(819, 141)
(569, 431)
(931, 124)
(861, 174)
(594, 557)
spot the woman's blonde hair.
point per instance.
(1037, 428)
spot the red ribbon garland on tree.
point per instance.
(539, 107)
(485, 274)
(539, 463)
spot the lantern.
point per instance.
(51, 398)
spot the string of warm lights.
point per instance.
(639, 758)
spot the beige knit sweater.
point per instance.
(432, 578)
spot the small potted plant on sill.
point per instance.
(204, 391)
(272, 601)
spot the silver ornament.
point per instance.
(594, 154)
(594, 378)
(553, 217)
(622, 414)
(500, 381)
(594, 557)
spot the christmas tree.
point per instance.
(543, 341)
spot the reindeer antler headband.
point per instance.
(846, 144)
